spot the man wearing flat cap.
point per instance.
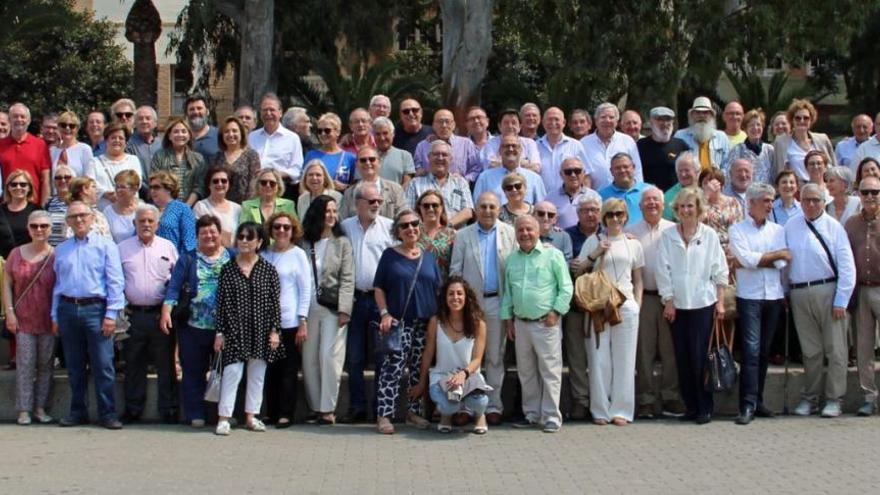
(709, 144)
(659, 150)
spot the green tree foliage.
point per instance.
(54, 58)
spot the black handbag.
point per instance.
(326, 296)
(390, 342)
(720, 374)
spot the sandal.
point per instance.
(600, 422)
(327, 419)
(256, 425)
(480, 426)
(384, 426)
(618, 421)
(445, 424)
(417, 421)
(283, 423)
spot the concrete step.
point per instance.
(725, 403)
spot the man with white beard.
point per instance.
(710, 145)
(659, 150)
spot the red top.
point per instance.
(32, 311)
(31, 154)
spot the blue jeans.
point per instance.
(81, 337)
(476, 402)
(196, 347)
(364, 312)
(757, 325)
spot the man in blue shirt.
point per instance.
(511, 161)
(624, 186)
(86, 300)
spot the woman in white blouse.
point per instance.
(612, 354)
(113, 161)
(76, 155)
(842, 204)
(120, 213)
(691, 277)
(217, 182)
(789, 150)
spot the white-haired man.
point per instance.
(709, 144)
(606, 142)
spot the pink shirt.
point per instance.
(147, 269)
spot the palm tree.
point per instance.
(143, 26)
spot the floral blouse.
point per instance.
(203, 304)
(722, 215)
(244, 169)
(440, 246)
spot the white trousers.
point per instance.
(256, 373)
(539, 366)
(323, 354)
(613, 365)
(493, 358)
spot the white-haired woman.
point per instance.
(843, 205)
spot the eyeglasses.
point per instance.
(244, 236)
(39, 226)
(124, 187)
(219, 181)
(324, 130)
(376, 201)
(124, 115)
(615, 214)
(431, 206)
(545, 214)
(588, 210)
(801, 118)
(65, 125)
(63, 177)
(816, 163)
(408, 225)
(869, 192)
(812, 200)
(282, 227)
(155, 187)
(573, 171)
(409, 111)
(510, 187)
(22, 185)
(368, 159)
(78, 216)
(268, 183)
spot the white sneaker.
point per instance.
(831, 409)
(256, 425)
(805, 408)
(223, 428)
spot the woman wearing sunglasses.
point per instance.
(177, 222)
(340, 163)
(57, 205)
(266, 198)
(18, 203)
(316, 181)
(612, 353)
(248, 325)
(514, 187)
(217, 181)
(70, 152)
(436, 235)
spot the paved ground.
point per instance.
(783, 455)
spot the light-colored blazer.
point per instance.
(392, 194)
(466, 259)
(780, 150)
(337, 270)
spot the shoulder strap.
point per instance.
(824, 246)
(412, 285)
(33, 280)
(315, 269)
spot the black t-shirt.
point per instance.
(13, 228)
(658, 161)
(407, 141)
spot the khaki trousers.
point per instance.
(493, 358)
(867, 315)
(655, 337)
(539, 366)
(576, 353)
(821, 337)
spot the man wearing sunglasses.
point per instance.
(368, 168)
(22, 150)
(410, 131)
(863, 231)
(625, 186)
(551, 235)
(511, 150)
(122, 111)
(575, 183)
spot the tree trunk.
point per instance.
(257, 43)
(467, 43)
(146, 74)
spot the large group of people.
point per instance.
(259, 253)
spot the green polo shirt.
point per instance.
(535, 283)
(668, 196)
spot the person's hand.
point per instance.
(669, 311)
(339, 186)
(386, 322)
(343, 319)
(511, 332)
(719, 310)
(275, 339)
(456, 380)
(838, 313)
(302, 333)
(603, 246)
(415, 393)
(551, 318)
(218, 343)
(576, 265)
(784, 254)
(108, 327)
(165, 322)
(55, 328)
(11, 322)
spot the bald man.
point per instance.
(555, 147)
(465, 158)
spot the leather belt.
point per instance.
(812, 283)
(145, 309)
(83, 301)
(530, 320)
(649, 292)
(363, 293)
(487, 295)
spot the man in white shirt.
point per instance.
(821, 281)
(554, 147)
(846, 149)
(278, 147)
(870, 148)
(580, 123)
(602, 145)
(490, 154)
(454, 188)
(478, 256)
(370, 235)
(530, 116)
(655, 336)
(511, 161)
(759, 247)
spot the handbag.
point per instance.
(212, 390)
(599, 297)
(326, 296)
(720, 374)
(390, 342)
(729, 299)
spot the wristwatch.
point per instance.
(383, 312)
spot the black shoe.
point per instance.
(703, 419)
(68, 421)
(170, 418)
(354, 416)
(746, 415)
(130, 417)
(111, 423)
(688, 416)
(763, 411)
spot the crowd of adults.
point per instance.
(258, 253)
